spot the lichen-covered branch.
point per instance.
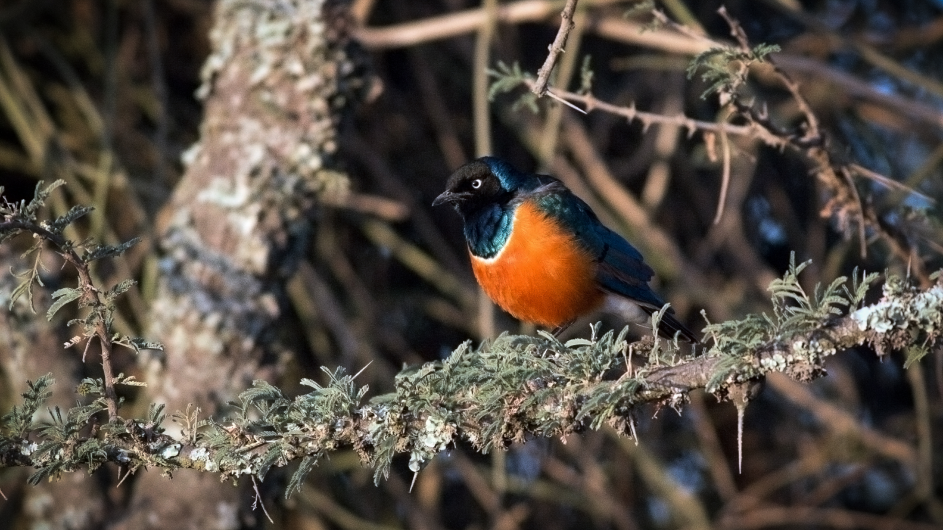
(495, 394)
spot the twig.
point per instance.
(811, 145)
(482, 128)
(258, 500)
(688, 43)
(725, 176)
(89, 298)
(862, 238)
(886, 182)
(682, 29)
(454, 24)
(556, 48)
(845, 201)
(680, 120)
(552, 126)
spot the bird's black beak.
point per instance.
(447, 196)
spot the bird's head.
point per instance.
(480, 183)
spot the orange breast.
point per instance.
(541, 275)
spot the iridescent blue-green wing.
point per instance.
(621, 269)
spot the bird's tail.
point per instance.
(669, 326)
(641, 314)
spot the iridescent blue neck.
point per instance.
(488, 229)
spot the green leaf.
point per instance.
(107, 251)
(119, 289)
(62, 297)
(720, 70)
(129, 380)
(25, 287)
(915, 354)
(76, 212)
(268, 459)
(137, 343)
(300, 474)
(39, 199)
(19, 420)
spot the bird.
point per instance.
(541, 254)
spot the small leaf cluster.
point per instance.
(16, 424)
(489, 396)
(507, 79)
(502, 391)
(795, 310)
(586, 76)
(268, 429)
(64, 443)
(795, 314)
(725, 68)
(16, 218)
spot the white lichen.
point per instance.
(435, 436)
(171, 451)
(902, 311)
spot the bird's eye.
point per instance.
(475, 184)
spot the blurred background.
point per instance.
(101, 93)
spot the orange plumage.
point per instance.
(542, 274)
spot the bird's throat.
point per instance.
(488, 230)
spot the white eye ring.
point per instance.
(475, 184)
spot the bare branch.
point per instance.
(556, 48)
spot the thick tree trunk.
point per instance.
(279, 78)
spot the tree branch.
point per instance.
(556, 48)
(505, 391)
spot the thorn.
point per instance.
(121, 480)
(88, 344)
(741, 394)
(631, 369)
(362, 369)
(741, 408)
(413, 483)
(565, 102)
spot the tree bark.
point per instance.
(278, 80)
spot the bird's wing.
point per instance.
(621, 270)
